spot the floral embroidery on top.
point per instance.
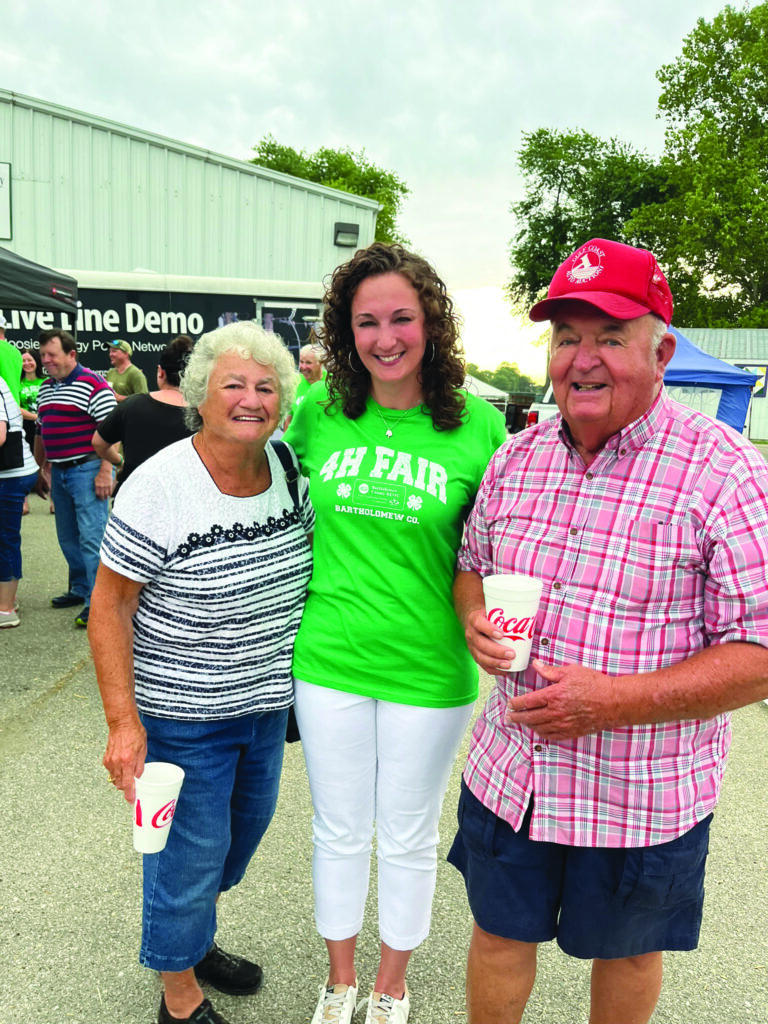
(218, 535)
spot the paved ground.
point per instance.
(69, 880)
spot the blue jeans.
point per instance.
(226, 802)
(80, 521)
(13, 491)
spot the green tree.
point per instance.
(708, 229)
(506, 377)
(344, 170)
(577, 187)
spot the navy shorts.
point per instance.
(603, 903)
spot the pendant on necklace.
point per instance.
(389, 433)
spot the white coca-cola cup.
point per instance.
(511, 603)
(157, 790)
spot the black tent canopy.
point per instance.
(28, 285)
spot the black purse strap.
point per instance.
(291, 470)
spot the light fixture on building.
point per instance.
(345, 235)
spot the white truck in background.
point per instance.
(546, 409)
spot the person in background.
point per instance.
(10, 361)
(593, 773)
(394, 450)
(198, 598)
(124, 378)
(70, 405)
(16, 482)
(31, 379)
(144, 424)
(311, 370)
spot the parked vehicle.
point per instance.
(546, 409)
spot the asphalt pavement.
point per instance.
(70, 881)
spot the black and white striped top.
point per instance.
(225, 582)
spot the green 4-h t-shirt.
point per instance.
(379, 619)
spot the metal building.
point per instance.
(157, 223)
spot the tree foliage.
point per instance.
(506, 377)
(344, 170)
(709, 229)
(577, 186)
(701, 208)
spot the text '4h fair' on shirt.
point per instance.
(379, 619)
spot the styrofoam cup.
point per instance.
(156, 793)
(511, 603)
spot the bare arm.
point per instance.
(482, 638)
(580, 700)
(110, 634)
(108, 452)
(3, 432)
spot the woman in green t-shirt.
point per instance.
(31, 379)
(394, 450)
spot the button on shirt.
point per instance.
(658, 550)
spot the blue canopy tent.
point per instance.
(708, 384)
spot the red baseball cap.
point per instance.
(618, 279)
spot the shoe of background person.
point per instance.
(384, 1009)
(204, 1014)
(9, 619)
(231, 974)
(336, 1005)
(82, 618)
(68, 600)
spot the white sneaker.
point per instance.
(384, 1009)
(336, 1005)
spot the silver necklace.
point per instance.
(387, 426)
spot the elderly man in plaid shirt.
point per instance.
(593, 774)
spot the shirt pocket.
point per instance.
(652, 563)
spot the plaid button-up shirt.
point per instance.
(656, 550)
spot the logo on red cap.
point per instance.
(586, 264)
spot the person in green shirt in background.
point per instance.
(10, 361)
(125, 378)
(29, 384)
(311, 370)
(394, 449)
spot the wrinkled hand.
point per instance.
(483, 642)
(103, 484)
(124, 756)
(578, 701)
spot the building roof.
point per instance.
(733, 344)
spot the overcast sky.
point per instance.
(437, 92)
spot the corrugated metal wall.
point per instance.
(96, 195)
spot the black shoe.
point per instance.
(82, 618)
(68, 600)
(204, 1014)
(228, 973)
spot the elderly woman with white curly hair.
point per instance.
(199, 594)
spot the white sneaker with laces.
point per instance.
(384, 1009)
(336, 1005)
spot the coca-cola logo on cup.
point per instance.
(513, 629)
(161, 818)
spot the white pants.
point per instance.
(370, 759)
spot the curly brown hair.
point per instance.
(440, 377)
